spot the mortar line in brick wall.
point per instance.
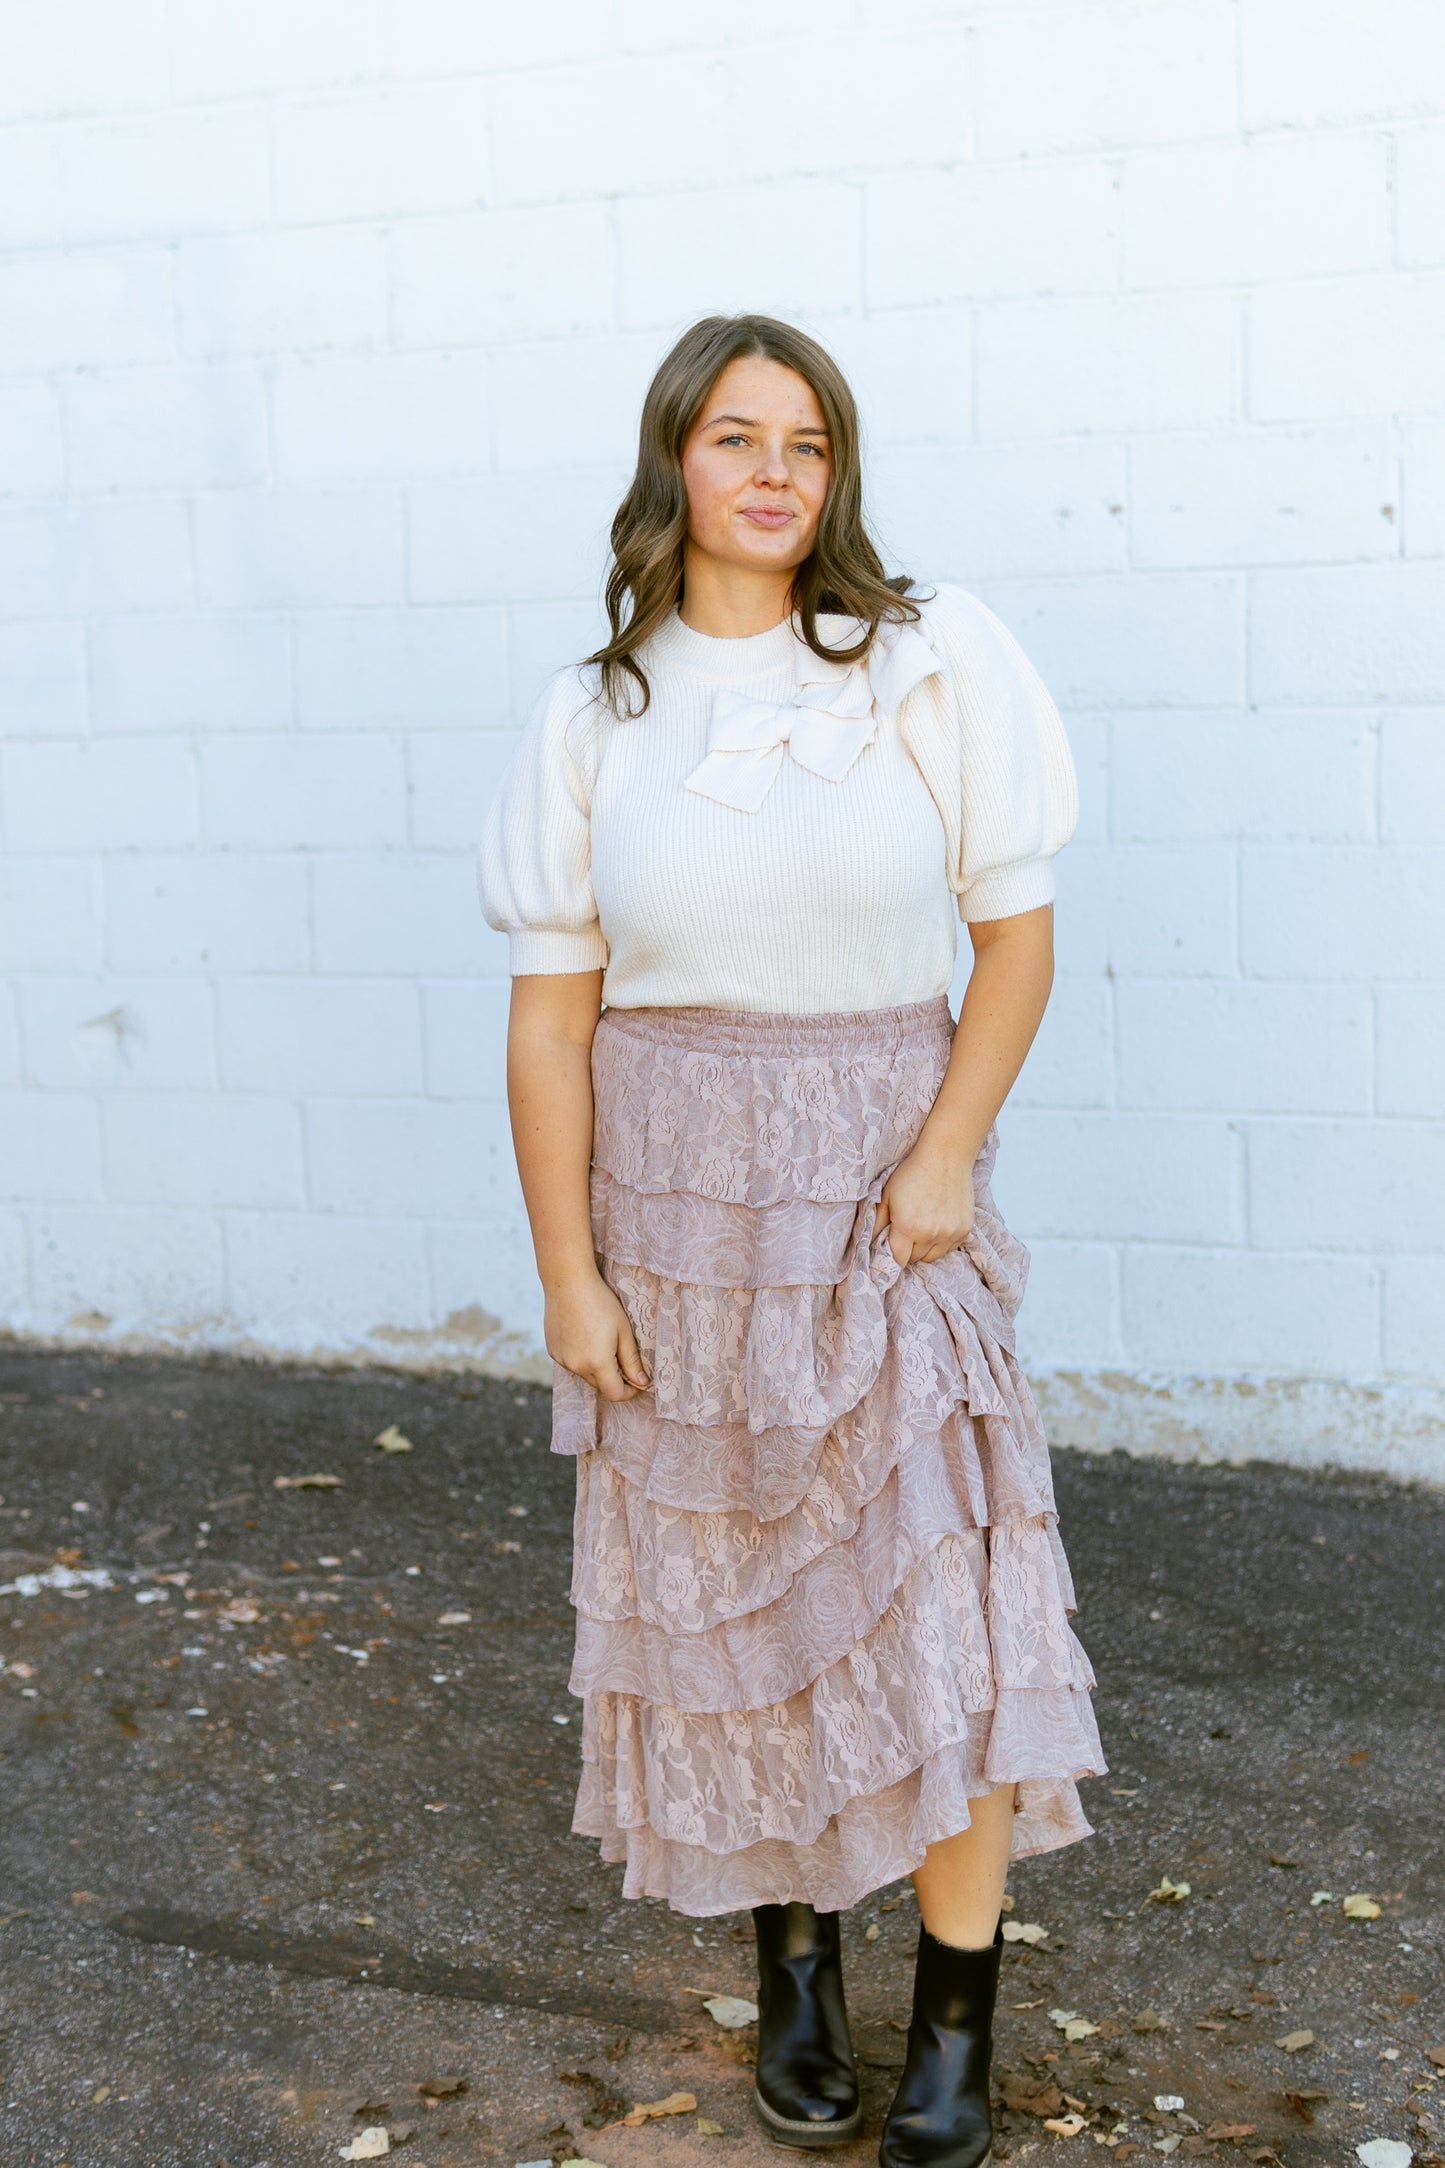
(972, 63)
(614, 243)
(1236, 860)
(1394, 429)
(1240, 108)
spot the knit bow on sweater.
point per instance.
(831, 716)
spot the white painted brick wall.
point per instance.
(326, 326)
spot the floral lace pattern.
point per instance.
(821, 1597)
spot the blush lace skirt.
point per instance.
(821, 1598)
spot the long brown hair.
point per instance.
(843, 572)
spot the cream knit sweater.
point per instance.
(776, 832)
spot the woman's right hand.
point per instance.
(586, 1329)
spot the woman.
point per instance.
(822, 1634)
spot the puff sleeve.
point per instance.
(534, 861)
(989, 741)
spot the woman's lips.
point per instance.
(762, 517)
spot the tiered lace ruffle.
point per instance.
(821, 1597)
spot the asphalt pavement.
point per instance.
(286, 1777)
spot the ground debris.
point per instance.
(1384, 2153)
(732, 2012)
(1169, 1893)
(1027, 1931)
(369, 2144)
(1027, 2097)
(675, 2104)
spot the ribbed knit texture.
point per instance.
(832, 895)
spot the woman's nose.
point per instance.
(771, 466)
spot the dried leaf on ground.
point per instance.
(392, 1440)
(1169, 1893)
(1322, 1897)
(871, 1931)
(1294, 2041)
(1027, 2097)
(368, 2144)
(675, 2104)
(1065, 2126)
(1437, 2056)
(1006, 1903)
(1168, 2103)
(729, 2011)
(1071, 2025)
(455, 1618)
(1229, 2133)
(1298, 2102)
(1362, 1907)
(442, 2088)
(1024, 1931)
(1149, 2021)
(707, 2128)
(306, 1482)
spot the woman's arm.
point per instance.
(550, 1025)
(927, 1201)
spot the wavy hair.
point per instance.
(843, 573)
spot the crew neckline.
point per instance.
(723, 654)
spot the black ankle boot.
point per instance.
(806, 2090)
(940, 2115)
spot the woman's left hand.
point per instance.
(927, 1205)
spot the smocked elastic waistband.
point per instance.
(784, 1031)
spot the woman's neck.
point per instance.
(729, 602)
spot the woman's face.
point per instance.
(756, 467)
